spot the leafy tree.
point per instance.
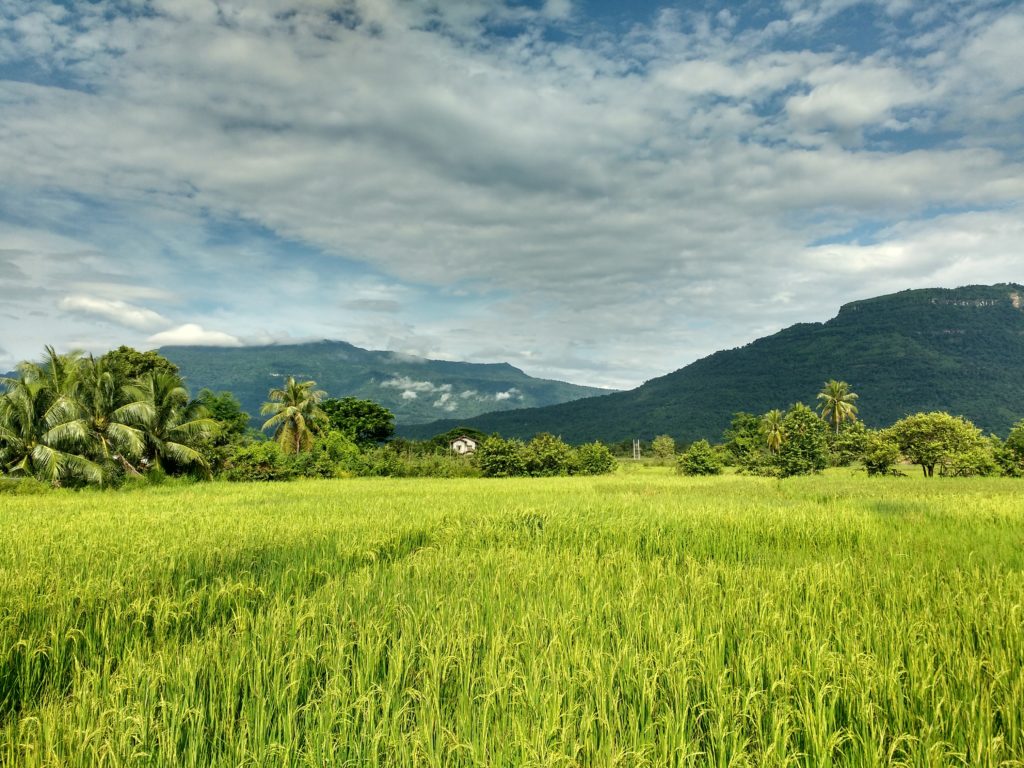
(1010, 455)
(112, 414)
(263, 461)
(595, 459)
(881, 452)
(128, 363)
(38, 434)
(547, 455)
(805, 449)
(293, 409)
(175, 425)
(848, 444)
(836, 403)
(699, 459)
(771, 428)
(365, 421)
(226, 411)
(663, 447)
(501, 458)
(743, 439)
(935, 439)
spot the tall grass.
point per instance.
(632, 620)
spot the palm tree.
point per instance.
(836, 403)
(39, 436)
(292, 409)
(771, 427)
(112, 414)
(174, 423)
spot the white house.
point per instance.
(463, 445)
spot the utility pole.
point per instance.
(636, 448)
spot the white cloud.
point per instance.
(191, 334)
(119, 312)
(409, 395)
(599, 199)
(407, 384)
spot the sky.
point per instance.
(594, 191)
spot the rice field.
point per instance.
(635, 620)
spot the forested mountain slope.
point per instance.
(415, 389)
(960, 350)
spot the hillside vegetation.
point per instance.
(958, 350)
(415, 389)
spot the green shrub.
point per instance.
(501, 458)
(881, 453)
(547, 456)
(22, 486)
(264, 461)
(805, 447)
(594, 459)
(699, 459)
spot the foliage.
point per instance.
(826, 621)
(69, 420)
(594, 459)
(1010, 454)
(224, 408)
(937, 439)
(699, 459)
(546, 455)
(848, 444)
(663, 447)
(262, 461)
(173, 425)
(835, 401)
(805, 448)
(881, 453)
(293, 410)
(364, 421)
(744, 439)
(127, 363)
(772, 430)
(497, 457)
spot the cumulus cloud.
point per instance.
(631, 199)
(191, 334)
(407, 384)
(119, 312)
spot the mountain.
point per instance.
(415, 389)
(959, 350)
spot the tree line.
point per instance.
(801, 441)
(73, 420)
(76, 420)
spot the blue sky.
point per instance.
(591, 190)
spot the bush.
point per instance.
(805, 447)
(258, 462)
(881, 453)
(547, 456)
(978, 461)
(501, 458)
(22, 486)
(699, 459)
(594, 459)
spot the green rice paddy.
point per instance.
(634, 620)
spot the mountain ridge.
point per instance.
(416, 389)
(958, 349)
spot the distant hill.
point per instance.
(959, 350)
(415, 389)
